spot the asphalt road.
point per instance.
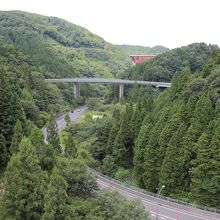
(158, 208)
(61, 123)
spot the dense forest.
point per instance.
(60, 48)
(41, 180)
(166, 138)
(140, 50)
(149, 139)
(165, 66)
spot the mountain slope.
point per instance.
(140, 50)
(166, 65)
(59, 47)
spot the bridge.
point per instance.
(121, 82)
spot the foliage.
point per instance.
(67, 119)
(17, 137)
(10, 108)
(52, 134)
(80, 181)
(140, 50)
(56, 198)
(111, 205)
(3, 151)
(163, 67)
(25, 185)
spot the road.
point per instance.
(157, 207)
(61, 123)
(109, 81)
(164, 209)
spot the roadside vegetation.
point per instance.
(149, 139)
(169, 138)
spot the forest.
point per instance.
(37, 179)
(150, 138)
(166, 138)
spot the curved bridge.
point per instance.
(121, 82)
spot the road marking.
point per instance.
(154, 203)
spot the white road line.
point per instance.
(154, 203)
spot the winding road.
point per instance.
(158, 208)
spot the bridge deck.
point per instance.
(109, 81)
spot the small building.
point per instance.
(136, 59)
(97, 117)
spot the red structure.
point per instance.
(141, 58)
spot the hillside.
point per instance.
(61, 48)
(164, 66)
(170, 138)
(140, 50)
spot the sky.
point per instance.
(170, 23)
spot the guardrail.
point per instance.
(204, 208)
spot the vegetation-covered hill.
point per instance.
(39, 180)
(140, 50)
(164, 66)
(61, 48)
(170, 138)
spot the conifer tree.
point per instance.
(25, 185)
(113, 132)
(123, 145)
(3, 151)
(111, 139)
(56, 207)
(17, 137)
(151, 159)
(171, 170)
(136, 121)
(201, 185)
(212, 169)
(202, 115)
(52, 134)
(10, 107)
(67, 119)
(70, 146)
(139, 152)
(45, 152)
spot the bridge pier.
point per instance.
(121, 91)
(76, 89)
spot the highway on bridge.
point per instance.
(157, 207)
(109, 81)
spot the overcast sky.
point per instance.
(171, 23)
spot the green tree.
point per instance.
(139, 151)
(10, 108)
(80, 181)
(56, 199)
(136, 120)
(123, 145)
(112, 205)
(201, 185)
(24, 185)
(113, 132)
(70, 146)
(45, 152)
(17, 137)
(3, 151)
(52, 134)
(152, 159)
(67, 119)
(202, 115)
(171, 173)
(109, 166)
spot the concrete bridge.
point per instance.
(121, 82)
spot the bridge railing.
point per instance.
(204, 208)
